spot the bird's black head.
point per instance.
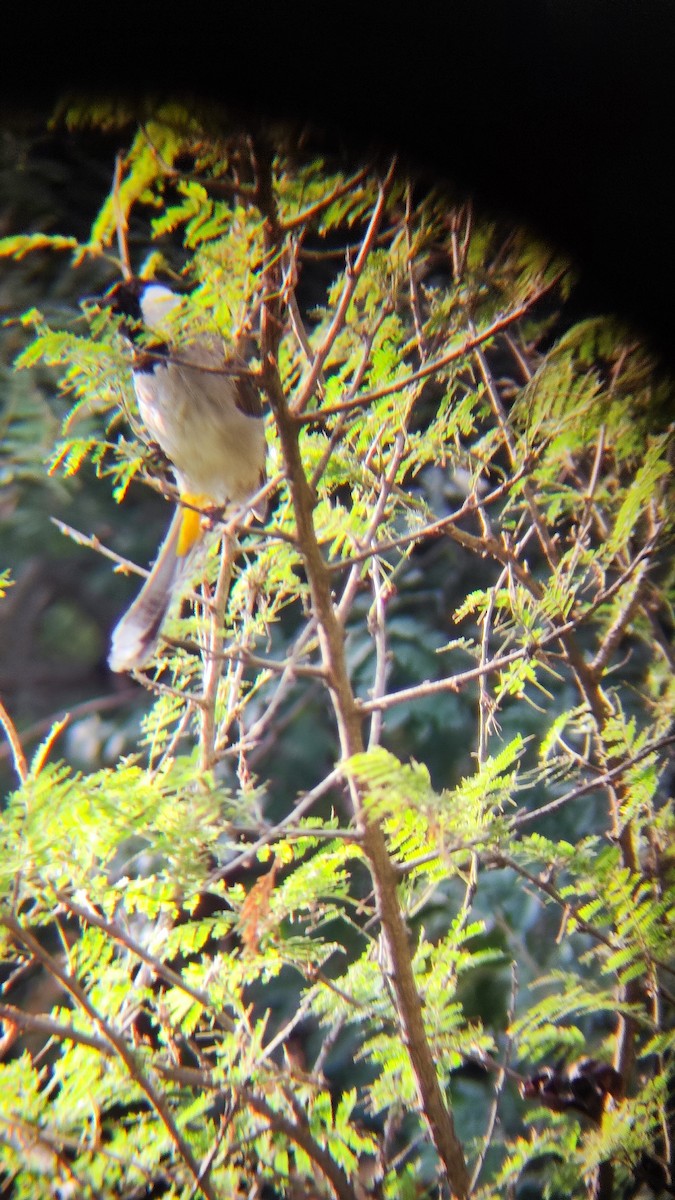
(142, 303)
(124, 298)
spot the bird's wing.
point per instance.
(209, 354)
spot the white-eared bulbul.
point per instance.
(208, 420)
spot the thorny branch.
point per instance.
(331, 638)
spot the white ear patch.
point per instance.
(157, 303)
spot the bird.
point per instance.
(203, 408)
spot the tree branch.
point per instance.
(347, 714)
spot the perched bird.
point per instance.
(208, 421)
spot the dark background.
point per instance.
(556, 113)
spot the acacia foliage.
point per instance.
(456, 621)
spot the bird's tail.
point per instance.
(136, 636)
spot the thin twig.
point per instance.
(502, 1076)
(378, 631)
(352, 276)
(354, 579)
(413, 289)
(212, 658)
(623, 618)
(314, 210)
(295, 316)
(484, 702)
(589, 507)
(93, 543)
(121, 224)
(303, 646)
(547, 543)
(18, 756)
(47, 1027)
(434, 529)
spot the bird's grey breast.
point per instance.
(206, 419)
